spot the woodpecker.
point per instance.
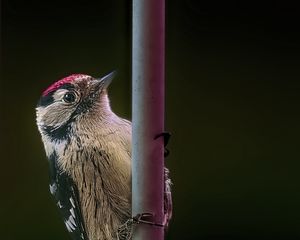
(89, 151)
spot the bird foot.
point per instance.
(125, 231)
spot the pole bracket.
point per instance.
(166, 136)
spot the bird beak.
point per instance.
(107, 79)
(100, 84)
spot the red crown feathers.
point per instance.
(63, 81)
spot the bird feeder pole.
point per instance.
(148, 53)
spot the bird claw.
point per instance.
(146, 218)
(125, 231)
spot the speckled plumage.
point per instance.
(89, 151)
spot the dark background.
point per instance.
(232, 105)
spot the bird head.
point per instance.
(70, 99)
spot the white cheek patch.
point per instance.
(54, 115)
(40, 113)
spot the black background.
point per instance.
(232, 105)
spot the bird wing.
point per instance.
(167, 199)
(66, 195)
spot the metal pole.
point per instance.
(148, 114)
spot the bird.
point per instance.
(89, 154)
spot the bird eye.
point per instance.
(69, 97)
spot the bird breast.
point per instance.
(100, 166)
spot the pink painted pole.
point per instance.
(148, 58)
